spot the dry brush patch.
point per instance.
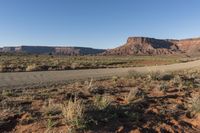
(20, 62)
(149, 103)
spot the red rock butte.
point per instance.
(152, 46)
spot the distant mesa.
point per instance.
(133, 46)
(152, 46)
(52, 50)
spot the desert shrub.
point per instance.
(75, 65)
(2, 68)
(73, 112)
(163, 87)
(89, 84)
(32, 67)
(50, 123)
(155, 75)
(124, 82)
(165, 76)
(52, 108)
(129, 82)
(115, 78)
(132, 95)
(177, 80)
(7, 93)
(135, 74)
(97, 90)
(101, 102)
(195, 102)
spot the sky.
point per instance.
(95, 23)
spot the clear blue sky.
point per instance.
(95, 23)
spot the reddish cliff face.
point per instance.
(144, 46)
(189, 46)
(152, 46)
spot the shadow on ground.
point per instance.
(139, 116)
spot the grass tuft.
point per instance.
(73, 112)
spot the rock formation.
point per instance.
(52, 50)
(133, 46)
(152, 46)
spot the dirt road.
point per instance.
(29, 79)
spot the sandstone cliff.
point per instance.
(152, 46)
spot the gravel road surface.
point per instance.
(28, 79)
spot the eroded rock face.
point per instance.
(190, 46)
(144, 46)
(152, 46)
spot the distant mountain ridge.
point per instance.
(133, 46)
(52, 50)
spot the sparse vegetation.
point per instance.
(118, 104)
(132, 95)
(73, 112)
(50, 124)
(101, 102)
(33, 67)
(163, 87)
(51, 108)
(195, 104)
(6, 93)
(20, 62)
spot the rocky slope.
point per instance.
(152, 46)
(189, 46)
(52, 50)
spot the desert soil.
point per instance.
(30, 79)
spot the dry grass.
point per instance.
(118, 103)
(1, 68)
(73, 112)
(132, 95)
(51, 108)
(10, 63)
(33, 67)
(101, 102)
(195, 104)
